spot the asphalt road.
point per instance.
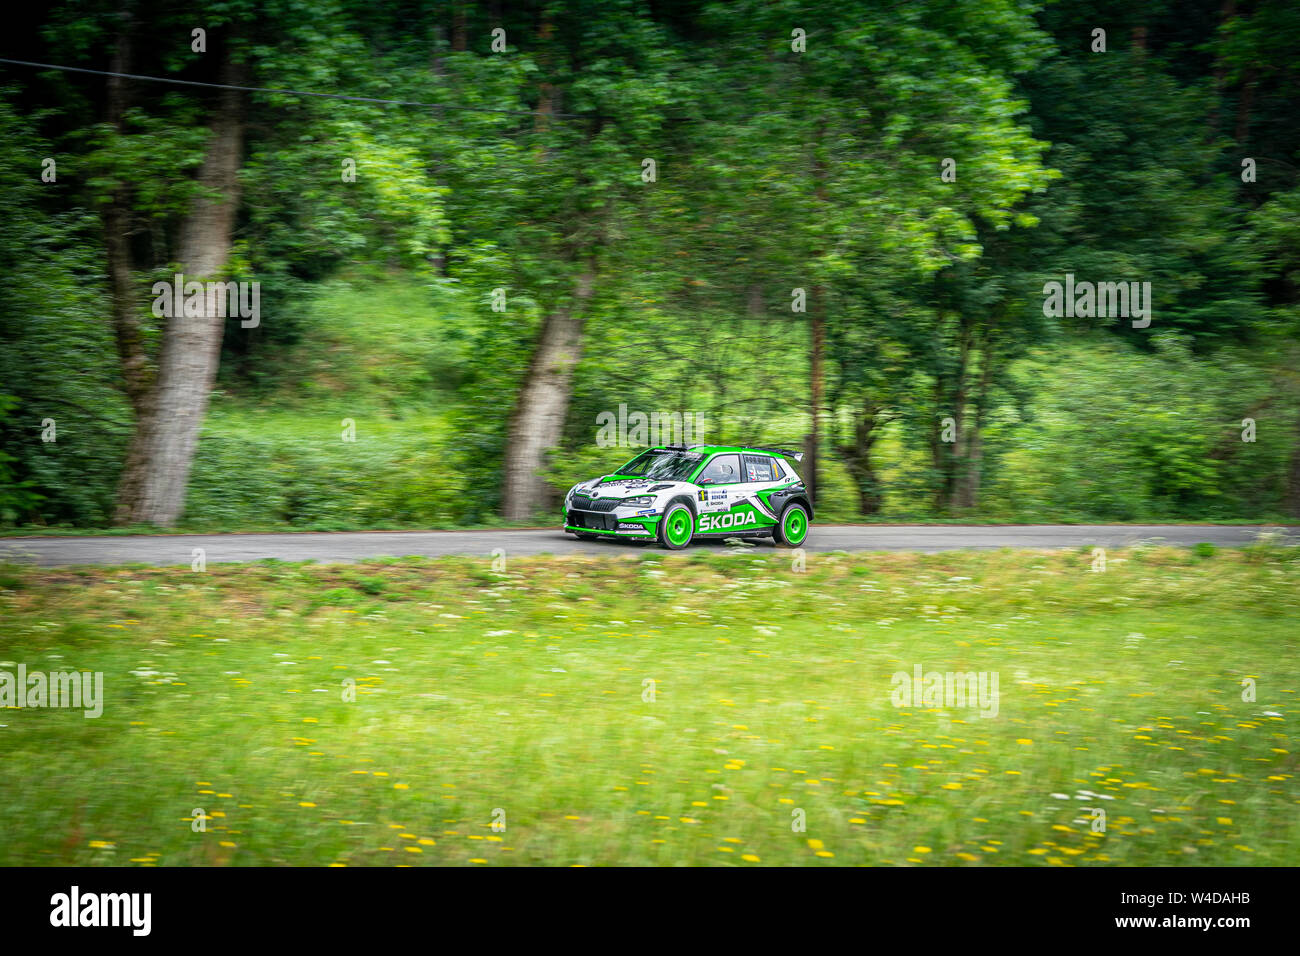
(358, 545)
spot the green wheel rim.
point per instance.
(795, 526)
(678, 530)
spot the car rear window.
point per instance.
(759, 468)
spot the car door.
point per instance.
(717, 482)
(759, 473)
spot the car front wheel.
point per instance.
(676, 527)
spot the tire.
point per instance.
(791, 528)
(676, 526)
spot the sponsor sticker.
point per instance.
(729, 520)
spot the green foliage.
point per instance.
(1117, 435)
(776, 170)
(56, 357)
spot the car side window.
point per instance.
(722, 470)
(759, 468)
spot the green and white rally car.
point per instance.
(675, 493)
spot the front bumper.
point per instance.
(622, 522)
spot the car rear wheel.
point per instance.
(792, 529)
(676, 526)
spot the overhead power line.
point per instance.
(263, 89)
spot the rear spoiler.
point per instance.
(796, 455)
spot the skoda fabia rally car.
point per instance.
(675, 493)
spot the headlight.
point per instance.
(643, 501)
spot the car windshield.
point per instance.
(668, 465)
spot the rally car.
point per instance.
(677, 492)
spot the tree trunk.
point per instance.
(537, 421)
(548, 93)
(116, 218)
(1227, 12)
(950, 393)
(857, 458)
(127, 333)
(938, 454)
(1292, 500)
(968, 489)
(459, 39)
(166, 432)
(1244, 105)
(810, 471)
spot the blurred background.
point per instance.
(820, 224)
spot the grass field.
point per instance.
(525, 692)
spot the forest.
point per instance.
(276, 264)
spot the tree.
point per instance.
(170, 410)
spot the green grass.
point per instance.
(522, 690)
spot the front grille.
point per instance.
(585, 503)
(589, 519)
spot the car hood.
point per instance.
(608, 486)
